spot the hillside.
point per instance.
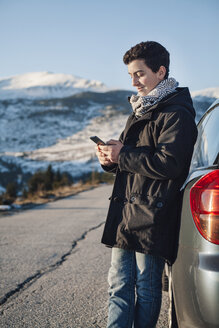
(39, 130)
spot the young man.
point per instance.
(151, 161)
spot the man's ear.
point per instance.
(161, 72)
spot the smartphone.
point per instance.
(97, 140)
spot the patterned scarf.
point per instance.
(140, 104)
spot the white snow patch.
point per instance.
(2, 190)
(5, 207)
(75, 154)
(78, 147)
(3, 169)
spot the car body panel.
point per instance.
(195, 273)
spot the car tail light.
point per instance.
(204, 201)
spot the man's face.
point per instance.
(143, 78)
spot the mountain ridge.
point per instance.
(45, 85)
(49, 85)
(212, 92)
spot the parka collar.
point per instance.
(180, 97)
(174, 98)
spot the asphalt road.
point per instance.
(53, 268)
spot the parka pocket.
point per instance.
(151, 201)
(144, 211)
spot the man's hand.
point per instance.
(109, 153)
(102, 157)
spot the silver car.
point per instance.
(194, 277)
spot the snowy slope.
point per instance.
(74, 154)
(35, 133)
(45, 85)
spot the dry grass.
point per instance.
(42, 197)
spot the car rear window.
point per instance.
(207, 144)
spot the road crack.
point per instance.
(32, 279)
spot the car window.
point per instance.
(207, 144)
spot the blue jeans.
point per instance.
(135, 289)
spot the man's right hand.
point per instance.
(102, 157)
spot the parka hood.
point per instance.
(181, 97)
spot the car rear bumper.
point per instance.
(196, 289)
(206, 281)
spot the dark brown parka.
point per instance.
(153, 165)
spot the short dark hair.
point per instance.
(153, 53)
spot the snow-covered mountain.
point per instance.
(40, 125)
(36, 132)
(46, 85)
(202, 99)
(206, 93)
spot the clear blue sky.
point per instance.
(88, 38)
